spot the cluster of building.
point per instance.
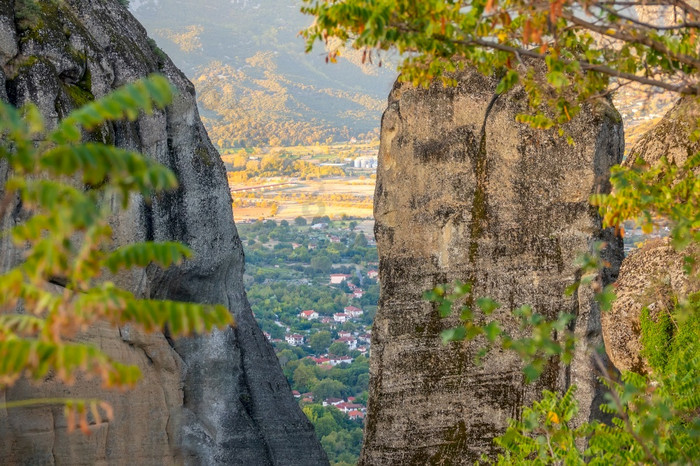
(349, 313)
(355, 291)
(331, 360)
(358, 341)
(365, 162)
(349, 407)
(354, 342)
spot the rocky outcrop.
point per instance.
(670, 138)
(651, 277)
(219, 399)
(466, 193)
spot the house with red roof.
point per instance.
(308, 315)
(353, 311)
(347, 407)
(350, 341)
(320, 360)
(335, 360)
(294, 339)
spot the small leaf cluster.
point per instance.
(543, 434)
(653, 423)
(646, 193)
(535, 341)
(63, 284)
(655, 416)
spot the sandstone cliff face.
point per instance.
(464, 192)
(220, 399)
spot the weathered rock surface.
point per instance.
(220, 399)
(649, 277)
(670, 137)
(464, 192)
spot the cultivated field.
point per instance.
(283, 183)
(349, 196)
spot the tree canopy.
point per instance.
(589, 48)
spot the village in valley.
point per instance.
(313, 287)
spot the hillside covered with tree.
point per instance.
(255, 83)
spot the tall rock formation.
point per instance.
(652, 276)
(670, 137)
(466, 193)
(219, 399)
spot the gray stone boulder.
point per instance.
(652, 277)
(670, 137)
(466, 193)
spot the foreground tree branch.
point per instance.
(583, 45)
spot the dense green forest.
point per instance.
(288, 265)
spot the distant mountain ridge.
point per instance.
(254, 82)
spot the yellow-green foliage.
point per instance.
(657, 335)
(553, 49)
(60, 286)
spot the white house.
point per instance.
(308, 315)
(372, 273)
(353, 311)
(332, 401)
(335, 360)
(295, 339)
(350, 341)
(340, 317)
(338, 278)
